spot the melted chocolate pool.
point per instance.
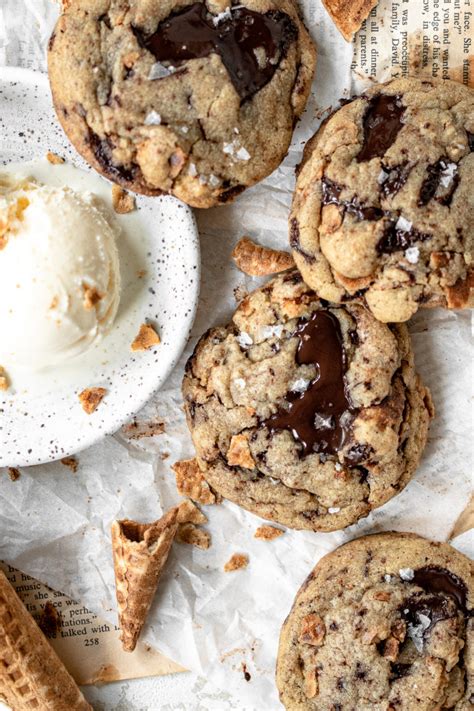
(381, 124)
(315, 416)
(192, 33)
(436, 580)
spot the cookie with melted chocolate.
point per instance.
(383, 622)
(383, 201)
(196, 99)
(305, 412)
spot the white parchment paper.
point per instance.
(55, 525)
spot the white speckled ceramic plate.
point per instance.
(41, 418)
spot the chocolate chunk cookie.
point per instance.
(384, 623)
(305, 412)
(190, 98)
(384, 206)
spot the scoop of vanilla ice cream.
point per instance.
(59, 273)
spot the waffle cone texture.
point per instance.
(31, 674)
(140, 552)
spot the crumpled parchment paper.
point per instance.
(55, 525)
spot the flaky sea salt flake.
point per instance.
(300, 385)
(244, 339)
(242, 154)
(153, 119)
(403, 224)
(406, 573)
(226, 15)
(447, 175)
(412, 255)
(159, 71)
(271, 331)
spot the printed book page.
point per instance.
(89, 647)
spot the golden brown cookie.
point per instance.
(383, 204)
(194, 99)
(384, 623)
(304, 412)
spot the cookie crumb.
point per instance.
(141, 274)
(91, 297)
(70, 462)
(193, 535)
(122, 201)
(147, 338)
(236, 562)
(91, 398)
(137, 430)
(54, 159)
(4, 382)
(13, 473)
(238, 454)
(268, 533)
(255, 260)
(188, 512)
(50, 621)
(190, 482)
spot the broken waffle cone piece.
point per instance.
(349, 16)
(140, 553)
(31, 674)
(255, 260)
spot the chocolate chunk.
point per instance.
(442, 177)
(397, 671)
(294, 233)
(295, 241)
(434, 607)
(381, 124)
(331, 196)
(103, 152)
(316, 417)
(470, 140)
(359, 453)
(437, 580)
(192, 32)
(354, 337)
(397, 176)
(395, 239)
(230, 193)
(106, 20)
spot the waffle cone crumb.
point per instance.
(190, 482)
(193, 535)
(255, 260)
(147, 338)
(54, 159)
(70, 462)
(236, 562)
(91, 398)
(268, 533)
(122, 201)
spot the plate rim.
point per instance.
(26, 76)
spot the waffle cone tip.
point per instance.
(140, 552)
